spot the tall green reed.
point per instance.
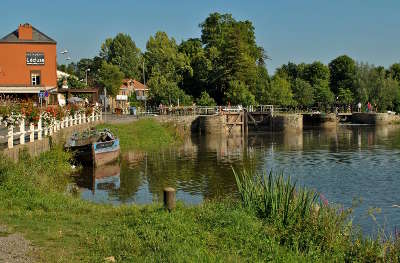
(275, 197)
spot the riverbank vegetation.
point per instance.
(225, 65)
(273, 221)
(144, 135)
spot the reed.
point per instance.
(275, 198)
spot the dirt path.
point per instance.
(14, 247)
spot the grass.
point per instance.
(68, 229)
(144, 135)
(306, 223)
(273, 221)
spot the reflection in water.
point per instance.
(344, 163)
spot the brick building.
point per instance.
(28, 62)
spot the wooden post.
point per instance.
(39, 130)
(169, 198)
(22, 132)
(32, 132)
(10, 137)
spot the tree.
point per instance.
(280, 93)
(166, 92)
(231, 47)
(162, 55)
(342, 71)
(111, 78)
(322, 94)
(239, 94)
(363, 80)
(195, 81)
(384, 91)
(315, 73)
(291, 71)
(394, 71)
(303, 93)
(92, 67)
(205, 100)
(262, 87)
(122, 52)
(345, 96)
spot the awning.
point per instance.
(24, 90)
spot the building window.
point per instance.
(35, 78)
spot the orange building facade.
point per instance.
(28, 62)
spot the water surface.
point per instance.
(348, 163)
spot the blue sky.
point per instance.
(297, 31)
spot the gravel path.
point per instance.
(14, 247)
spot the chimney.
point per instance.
(25, 32)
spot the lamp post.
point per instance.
(86, 71)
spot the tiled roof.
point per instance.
(37, 37)
(139, 86)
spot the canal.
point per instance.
(349, 165)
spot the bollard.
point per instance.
(169, 198)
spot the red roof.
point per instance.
(139, 86)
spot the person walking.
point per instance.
(369, 106)
(359, 107)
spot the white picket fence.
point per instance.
(42, 131)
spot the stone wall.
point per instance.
(287, 122)
(328, 120)
(374, 118)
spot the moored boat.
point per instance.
(94, 148)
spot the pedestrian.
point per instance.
(359, 107)
(369, 106)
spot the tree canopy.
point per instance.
(225, 65)
(122, 52)
(111, 78)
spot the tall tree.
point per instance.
(303, 93)
(238, 94)
(394, 71)
(315, 73)
(162, 54)
(280, 92)
(342, 69)
(111, 78)
(122, 52)
(195, 82)
(231, 47)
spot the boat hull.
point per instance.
(105, 152)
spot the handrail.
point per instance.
(42, 131)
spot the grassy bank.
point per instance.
(144, 135)
(273, 220)
(285, 228)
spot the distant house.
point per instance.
(141, 90)
(129, 88)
